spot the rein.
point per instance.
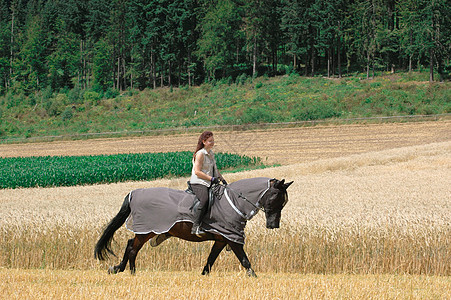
(240, 195)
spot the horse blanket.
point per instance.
(158, 209)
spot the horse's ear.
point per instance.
(286, 185)
(278, 184)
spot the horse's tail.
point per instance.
(103, 246)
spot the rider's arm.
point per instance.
(198, 162)
(220, 176)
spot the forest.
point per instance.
(105, 45)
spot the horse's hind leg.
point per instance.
(138, 243)
(131, 251)
(121, 266)
(215, 250)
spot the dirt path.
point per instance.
(284, 146)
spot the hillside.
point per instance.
(74, 113)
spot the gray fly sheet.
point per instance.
(158, 209)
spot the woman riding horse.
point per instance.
(203, 175)
(156, 212)
(159, 213)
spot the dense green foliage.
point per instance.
(78, 170)
(245, 101)
(116, 45)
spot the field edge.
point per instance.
(41, 283)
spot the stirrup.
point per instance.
(198, 231)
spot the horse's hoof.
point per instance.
(112, 270)
(206, 271)
(251, 273)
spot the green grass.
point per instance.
(250, 101)
(52, 171)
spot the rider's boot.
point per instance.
(198, 215)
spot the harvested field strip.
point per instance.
(283, 146)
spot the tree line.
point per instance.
(137, 44)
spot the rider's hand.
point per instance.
(214, 180)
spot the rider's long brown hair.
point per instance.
(202, 138)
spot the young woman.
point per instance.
(204, 174)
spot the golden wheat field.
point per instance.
(368, 217)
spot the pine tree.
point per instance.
(220, 39)
(30, 62)
(5, 44)
(102, 66)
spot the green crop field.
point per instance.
(79, 170)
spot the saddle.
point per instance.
(214, 192)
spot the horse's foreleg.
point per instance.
(215, 250)
(138, 243)
(242, 257)
(121, 266)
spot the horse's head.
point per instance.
(273, 202)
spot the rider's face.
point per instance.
(209, 143)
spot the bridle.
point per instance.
(256, 205)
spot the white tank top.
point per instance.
(208, 167)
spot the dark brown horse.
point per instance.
(240, 201)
